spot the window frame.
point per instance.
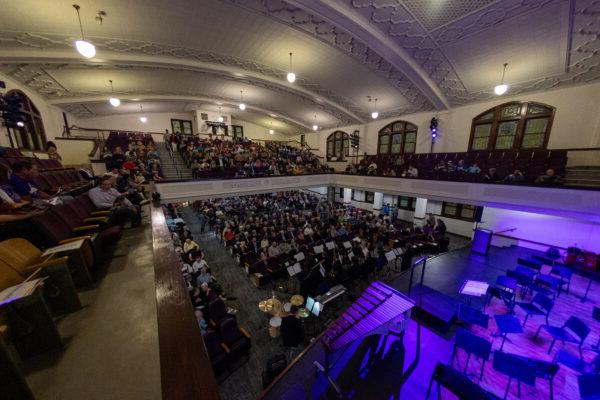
(390, 131)
(333, 139)
(412, 202)
(458, 212)
(31, 136)
(521, 119)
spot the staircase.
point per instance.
(173, 166)
(583, 177)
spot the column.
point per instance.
(420, 208)
(347, 195)
(377, 201)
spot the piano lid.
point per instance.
(379, 304)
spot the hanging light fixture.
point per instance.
(502, 87)
(220, 116)
(114, 101)
(84, 47)
(315, 126)
(242, 105)
(374, 114)
(291, 77)
(20, 124)
(271, 131)
(143, 119)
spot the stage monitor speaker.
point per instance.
(481, 241)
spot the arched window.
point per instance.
(338, 145)
(399, 137)
(32, 135)
(513, 125)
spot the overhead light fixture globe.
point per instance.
(85, 48)
(20, 124)
(374, 115)
(143, 120)
(291, 77)
(220, 119)
(315, 127)
(242, 106)
(501, 89)
(115, 102)
(271, 131)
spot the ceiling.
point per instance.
(413, 55)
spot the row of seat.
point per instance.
(122, 139)
(42, 164)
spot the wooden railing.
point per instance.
(185, 367)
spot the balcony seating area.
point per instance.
(133, 152)
(454, 166)
(212, 158)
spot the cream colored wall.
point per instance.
(157, 122)
(576, 122)
(256, 132)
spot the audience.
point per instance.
(106, 197)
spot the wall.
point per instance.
(51, 115)
(549, 229)
(157, 122)
(576, 122)
(257, 132)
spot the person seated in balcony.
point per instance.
(516, 177)
(399, 161)
(492, 176)
(201, 322)
(474, 169)
(204, 276)
(15, 223)
(549, 178)
(118, 158)
(440, 229)
(130, 164)
(461, 166)
(450, 167)
(410, 172)
(389, 172)
(52, 151)
(105, 197)
(440, 166)
(372, 168)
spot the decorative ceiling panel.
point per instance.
(433, 14)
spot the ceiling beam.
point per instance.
(149, 98)
(340, 15)
(33, 56)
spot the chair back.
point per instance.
(563, 272)
(211, 341)
(19, 254)
(473, 344)
(217, 309)
(230, 332)
(459, 385)
(543, 302)
(578, 327)
(529, 263)
(472, 315)
(506, 283)
(8, 276)
(526, 271)
(515, 367)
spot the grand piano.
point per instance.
(360, 353)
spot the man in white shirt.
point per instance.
(198, 264)
(104, 197)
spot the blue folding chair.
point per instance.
(573, 331)
(515, 367)
(589, 386)
(470, 315)
(564, 274)
(471, 344)
(540, 305)
(456, 383)
(505, 289)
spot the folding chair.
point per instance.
(540, 305)
(504, 289)
(457, 384)
(471, 344)
(564, 274)
(514, 367)
(470, 315)
(574, 331)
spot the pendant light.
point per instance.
(315, 126)
(220, 116)
(374, 114)
(242, 105)
(84, 47)
(502, 87)
(291, 77)
(143, 119)
(271, 131)
(114, 101)
(20, 124)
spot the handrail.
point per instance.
(527, 240)
(185, 366)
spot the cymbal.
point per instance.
(297, 300)
(266, 306)
(303, 312)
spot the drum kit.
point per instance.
(274, 307)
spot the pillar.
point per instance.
(377, 201)
(347, 195)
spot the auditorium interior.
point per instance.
(299, 199)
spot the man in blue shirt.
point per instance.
(20, 180)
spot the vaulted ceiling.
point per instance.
(413, 55)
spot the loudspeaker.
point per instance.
(478, 213)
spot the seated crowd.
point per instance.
(140, 159)
(266, 232)
(213, 157)
(526, 167)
